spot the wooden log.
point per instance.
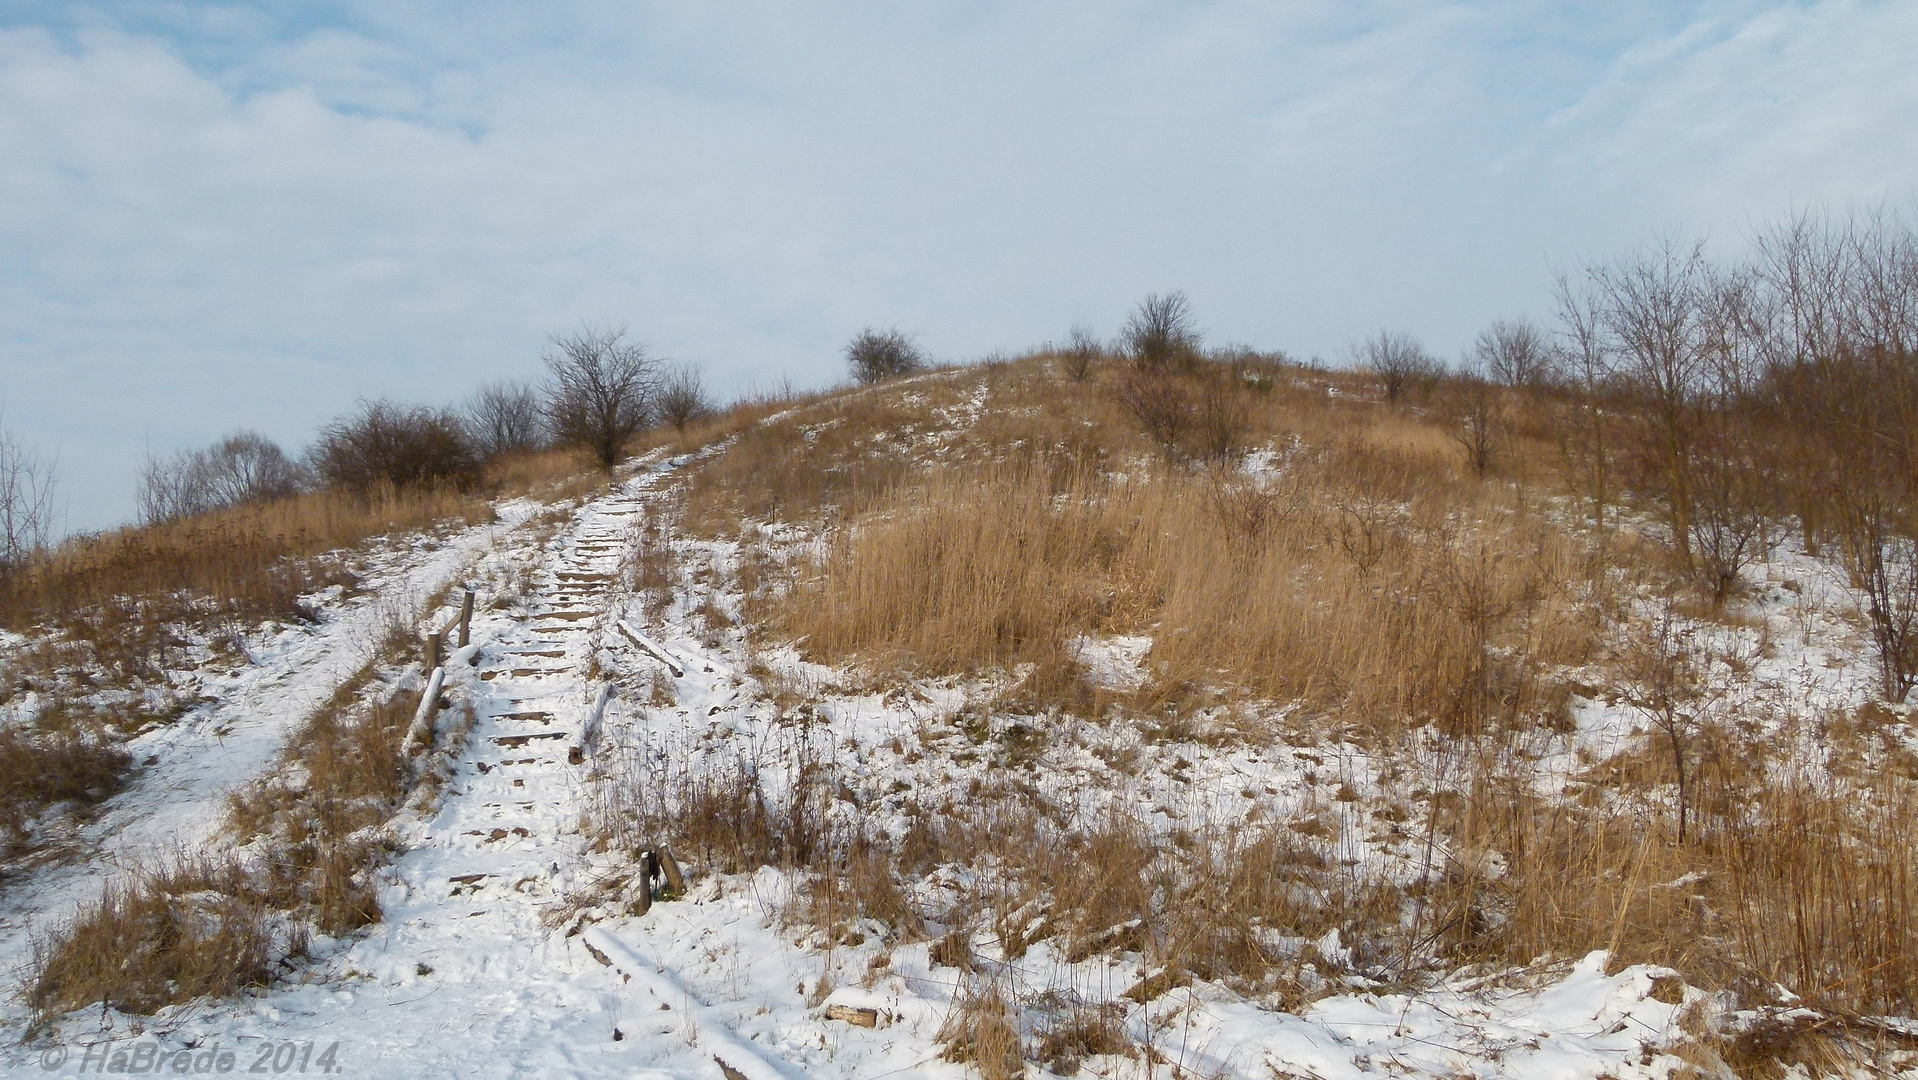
(854, 1015)
(466, 619)
(421, 732)
(435, 649)
(589, 732)
(652, 648)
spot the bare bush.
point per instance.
(244, 467)
(1222, 418)
(1515, 353)
(397, 446)
(1400, 362)
(875, 354)
(682, 397)
(1161, 403)
(601, 391)
(1160, 334)
(1081, 352)
(506, 418)
(1732, 505)
(1478, 421)
(26, 502)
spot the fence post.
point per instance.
(466, 618)
(435, 647)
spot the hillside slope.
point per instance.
(974, 717)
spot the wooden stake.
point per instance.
(675, 881)
(466, 618)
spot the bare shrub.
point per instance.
(1478, 421)
(243, 467)
(682, 397)
(1515, 352)
(873, 355)
(1733, 505)
(1081, 352)
(506, 418)
(398, 446)
(1399, 362)
(26, 502)
(600, 392)
(1162, 404)
(1160, 334)
(1222, 418)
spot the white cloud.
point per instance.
(209, 217)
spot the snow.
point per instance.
(483, 965)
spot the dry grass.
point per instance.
(43, 765)
(309, 846)
(983, 1032)
(248, 560)
(1784, 883)
(188, 930)
(1317, 593)
(979, 522)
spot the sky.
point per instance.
(223, 216)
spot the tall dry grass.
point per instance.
(246, 560)
(1312, 586)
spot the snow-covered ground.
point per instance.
(492, 959)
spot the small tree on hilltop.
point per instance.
(601, 392)
(26, 502)
(682, 397)
(1398, 360)
(1514, 352)
(1160, 333)
(874, 355)
(506, 418)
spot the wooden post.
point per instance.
(466, 618)
(435, 647)
(675, 881)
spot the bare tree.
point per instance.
(1656, 310)
(1666, 688)
(1160, 333)
(1081, 352)
(601, 391)
(1514, 352)
(1478, 421)
(27, 482)
(1585, 363)
(682, 397)
(243, 467)
(506, 418)
(1398, 360)
(1732, 484)
(883, 354)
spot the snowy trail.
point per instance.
(177, 794)
(465, 975)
